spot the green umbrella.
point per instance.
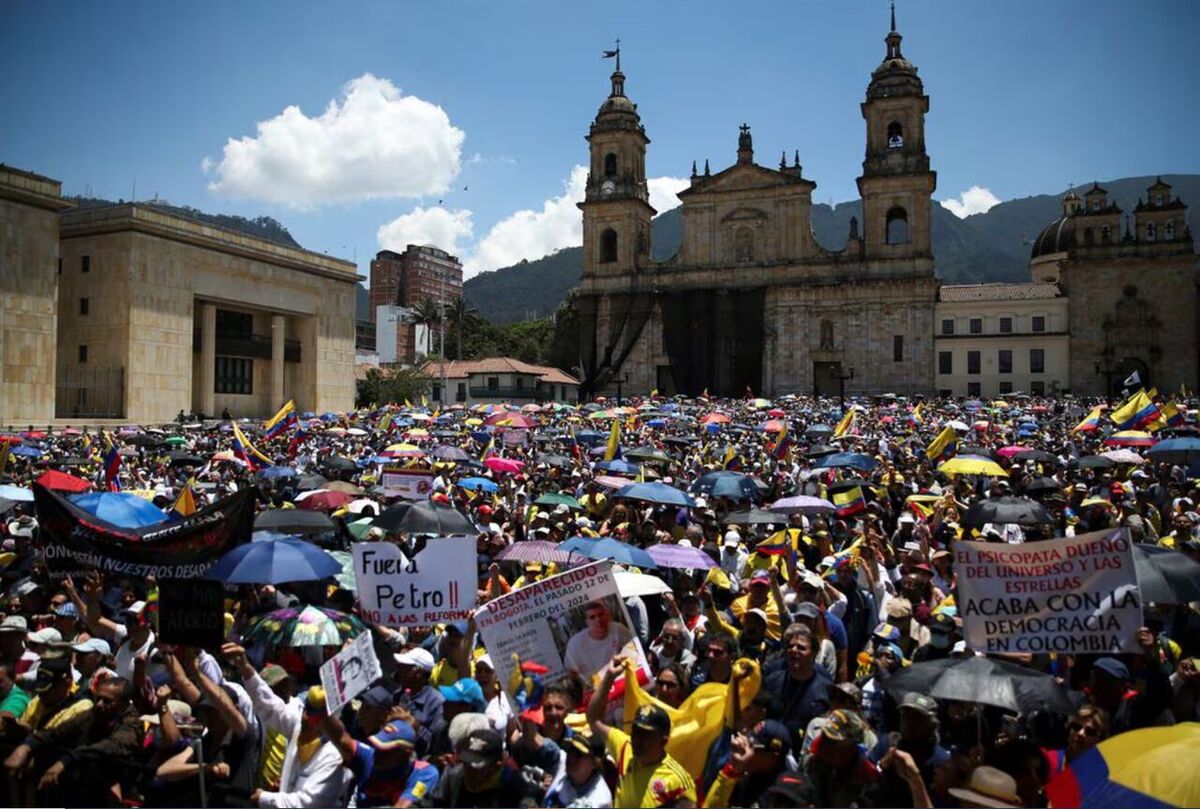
(359, 528)
(346, 579)
(558, 499)
(176, 441)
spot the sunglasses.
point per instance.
(1086, 730)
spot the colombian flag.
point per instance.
(282, 421)
(945, 443)
(1091, 423)
(1135, 413)
(915, 418)
(488, 449)
(185, 503)
(850, 502)
(845, 425)
(1143, 768)
(246, 452)
(783, 444)
(112, 465)
(1170, 416)
(614, 441)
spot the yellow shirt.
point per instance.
(35, 713)
(270, 762)
(663, 784)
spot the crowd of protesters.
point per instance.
(96, 711)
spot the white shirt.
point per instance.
(587, 655)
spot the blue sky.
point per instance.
(432, 98)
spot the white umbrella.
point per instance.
(1123, 456)
(639, 584)
(958, 425)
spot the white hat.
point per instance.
(732, 538)
(417, 657)
(701, 502)
(47, 635)
(907, 519)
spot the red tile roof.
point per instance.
(461, 369)
(962, 293)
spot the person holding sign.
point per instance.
(384, 766)
(590, 649)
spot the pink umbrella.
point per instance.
(1011, 450)
(504, 465)
(611, 481)
(715, 418)
(776, 413)
(773, 426)
(535, 550)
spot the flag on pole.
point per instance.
(783, 444)
(185, 503)
(1138, 411)
(282, 421)
(488, 449)
(1134, 380)
(1091, 423)
(846, 425)
(614, 441)
(944, 444)
(915, 418)
(850, 502)
(573, 442)
(112, 465)
(246, 452)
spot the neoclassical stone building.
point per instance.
(751, 300)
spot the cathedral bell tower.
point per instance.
(896, 184)
(616, 208)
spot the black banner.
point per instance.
(191, 613)
(74, 541)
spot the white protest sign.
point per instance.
(515, 438)
(573, 622)
(350, 673)
(1073, 595)
(411, 484)
(430, 582)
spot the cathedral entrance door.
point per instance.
(826, 378)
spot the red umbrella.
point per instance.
(773, 426)
(324, 500)
(716, 418)
(511, 419)
(504, 465)
(776, 413)
(62, 482)
(11, 439)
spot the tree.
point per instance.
(428, 313)
(391, 386)
(460, 313)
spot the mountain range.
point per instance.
(985, 247)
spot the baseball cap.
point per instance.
(899, 608)
(761, 614)
(67, 610)
(465, 690)
(14, 623)
(771, 735)
(941, 629)
(653, 718)
(732, 538)
(50, 671)
(851, 691)
(887, 632)
(844, 726)
(421, 658)
(394, 735)
(760, 576)
(273, 674)
(794, 787)
(481, 748)
(92, 645)
(47, 635)
(377, 697)
(1112, 667)
(907, 519)
(806, 609)
(178, 708)
(922, 703)
(587, 744)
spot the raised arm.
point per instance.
(599, 701)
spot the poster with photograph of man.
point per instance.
(572, 623)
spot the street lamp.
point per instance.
(620, 380)
(841, 378)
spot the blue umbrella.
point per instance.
(1183, 451)
(308, 414)
(619, 466)
(656, 423)
(732, 484)
(270, 536)
(274, 562)
(478, 484)
(273, 472)
(26, 451)
(580, 545)
(590, 437)
(125, 510)
(18, 494)
(853, 460)
(656, 493)
(618, 551)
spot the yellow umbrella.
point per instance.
(999, 403)
(474, 422)
(972, 466)
(1098, 501)
(418, 432)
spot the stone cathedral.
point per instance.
(751, 301)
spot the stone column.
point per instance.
(208, 357)
(278, 331)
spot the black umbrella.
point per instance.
(820, 451)
(436, 519)
(310, 482)
(850, 483)
(182, 458)
(74, 460)
(337, 463)
(143, 440)
(1007, 511)
(1166, 576)
(983, 452)
(985, 680)
(293, 521)
(648, 454)
(1036, 455)
(1095, 462)
(755, 516)
(389, 520)
(819, 429)
(679, 441)
(550, 459)
(1042, 484)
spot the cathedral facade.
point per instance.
(751, 301)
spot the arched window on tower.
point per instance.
(826, 335)
(895, 135)
(897, 226)
(610, 165)
(608, 246)
(1169, 231)
(1151, 231)
(1105, 234)
(743, 245)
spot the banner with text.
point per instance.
(575, 622)
(349, 673)
(411, 484)
(420, 584)
(1072, 595)
(74, 541)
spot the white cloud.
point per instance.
(527, 234)
(663, 191)
(975, 199)
(373, 142)
(448, 230)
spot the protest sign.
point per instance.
(419, 584)
(573, 622)
(515, 437)
(349, 673)
(411, 484)
(75, 541)
(191, 612)
(1074, 595)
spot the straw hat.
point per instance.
(989, 787)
